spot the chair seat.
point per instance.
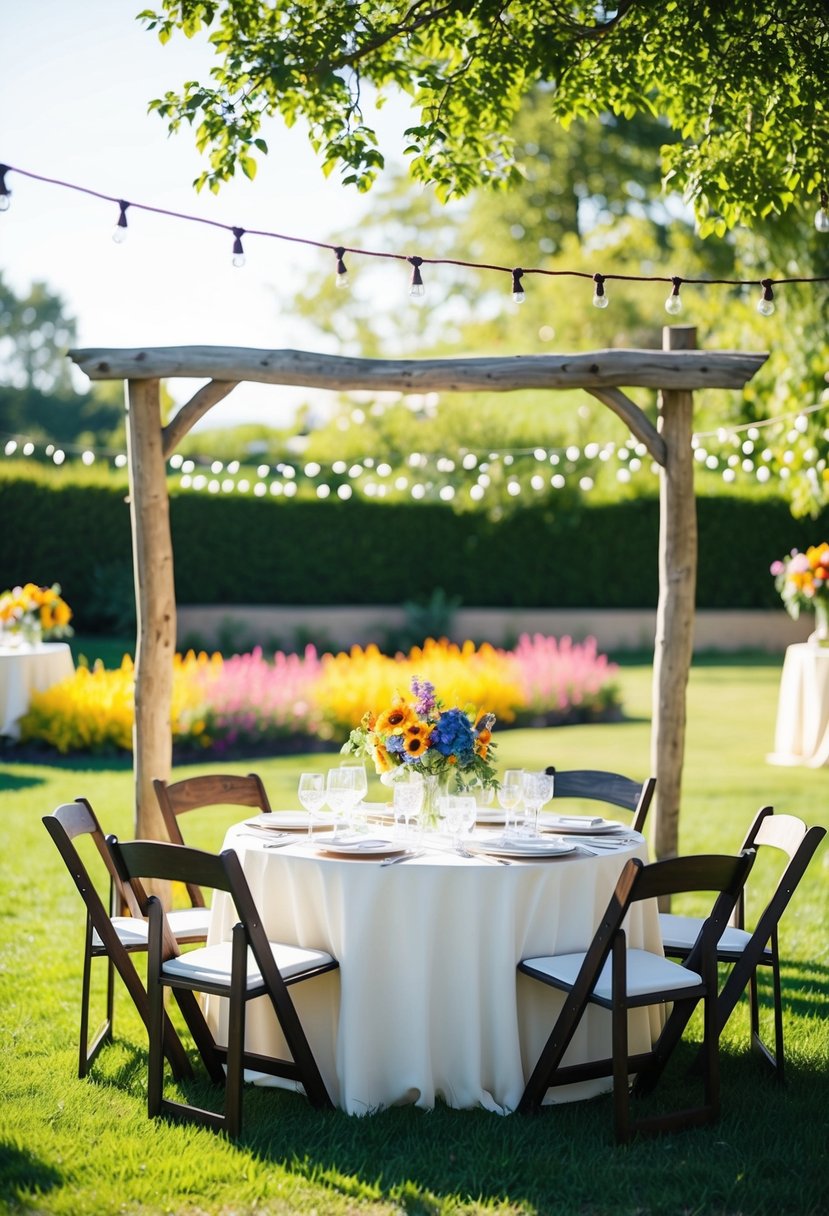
(680, 933)
(646, 973)
(132, 931)
(211, 964)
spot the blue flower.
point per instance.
(452, 736)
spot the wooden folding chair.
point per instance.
(618, 979)
(195, 793)
(612, 788)
(241, 970)
(747, 949)
(110, 935)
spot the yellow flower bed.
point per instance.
(95, 709)
(360, 680)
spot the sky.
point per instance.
(77, 79)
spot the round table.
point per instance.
(802, 730)
(427, 1003)
(25, 670)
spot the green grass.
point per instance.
(75, 1147)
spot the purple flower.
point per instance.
(426, 702)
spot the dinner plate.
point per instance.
(575, 825)
(288, 821)
(350, 847)
(485, 814)
(521, 848)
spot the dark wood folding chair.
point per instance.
(241, 970)
(745, 949)
(612, 788)
(113, 935)
(195, 793)
(618, 979)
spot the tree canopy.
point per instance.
(739, 87)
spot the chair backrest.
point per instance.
(66, 823)
(791, 836)
(612, 788)
(193, 793)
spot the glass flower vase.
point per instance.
(820, 636)
(435, 787)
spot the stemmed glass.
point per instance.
(458, 813)
(536, 790)
(407, 797)
(509, 796)
(359, 788)
(311, 791)
(339, 792)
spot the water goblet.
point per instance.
(536, 790)
(311, 791)
(339, 793)
(359, 791)
(509, 797)
(407, 798)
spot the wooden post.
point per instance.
(155, 603)
(677, 591)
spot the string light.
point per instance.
(119, 232)
(600, 300)
(238, 251)
(341, 277)
(417, 288)
(822, 216)
(5, 192)
(518, 293)
(765, 305)
(673, 304)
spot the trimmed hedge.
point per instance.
(254, 551)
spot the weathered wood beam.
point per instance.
(189, 414)
(601, 369)
(673, 645)
(155, 601)
(637, 422)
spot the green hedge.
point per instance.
(253, 551)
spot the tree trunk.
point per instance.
(155, 603)
(677, 591)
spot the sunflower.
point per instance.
(395, 720)
(416, 744)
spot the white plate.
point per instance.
(485, 814)
(349, 847)
(587, 825)
(522, 848)
(288, 821)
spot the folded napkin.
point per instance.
(582, 821)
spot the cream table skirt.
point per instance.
(802, 731)
(25, 670)
(427, 1004)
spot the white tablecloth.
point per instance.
(427, 1003)
(802, 732)
(25, 670)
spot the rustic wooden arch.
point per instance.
(676, 371)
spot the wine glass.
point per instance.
(360, 789)
(509, 796)
(311, 791)
(407, 797)
(339, 792)
(536, 790)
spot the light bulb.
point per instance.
(238, 251)
(119, 232)
(518, 293)
(417, 290)
(341, 279)
(5, 202)
(119, 235)
(239, 260)
(821, 219)
(519, 296)
(673, 305)
(600, 300)
(765, 305)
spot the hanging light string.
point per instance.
(417, 288)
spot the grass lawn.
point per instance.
(74, 1147)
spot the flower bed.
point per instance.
(250, 703)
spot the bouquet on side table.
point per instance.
(30, 613)
(803, 582)
(442, 745)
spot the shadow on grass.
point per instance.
(21, 1172)
(12, 781)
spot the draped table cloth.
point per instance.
(802, 729)
(25, 670)
(427, 1004)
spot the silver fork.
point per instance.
(393, 861)
(492, 861)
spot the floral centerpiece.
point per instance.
(31, 613)
(421, 733)
(803, 582)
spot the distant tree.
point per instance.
(741, 86)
